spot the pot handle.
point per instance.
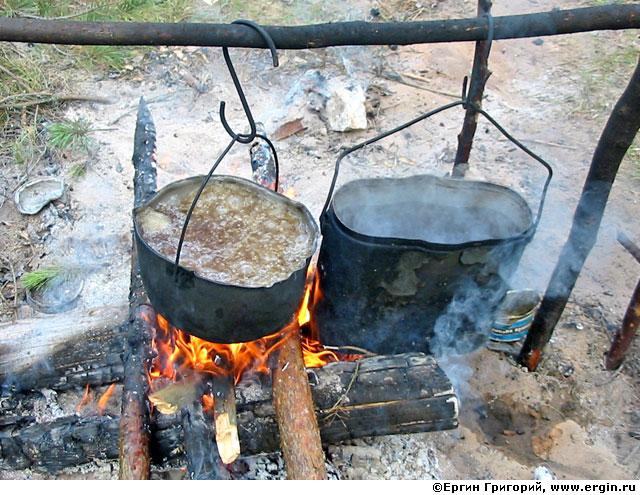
(464, 102)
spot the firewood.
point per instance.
(224, 410)
(298, 425)
(203, 460)
(382, 395)
(65, 351)
(172, 398)
(134, 425)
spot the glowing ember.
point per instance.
(104, 399)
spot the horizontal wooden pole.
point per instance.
(608, 17)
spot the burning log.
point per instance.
(618, 134)
(203, 460)
(134, 423)
(298, 425)
(384, 395)
(624, 336)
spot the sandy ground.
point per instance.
(570, 415)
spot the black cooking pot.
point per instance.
(418, 263)
(215, 311)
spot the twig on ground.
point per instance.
(153, 99)
(15, 78)
(62, 17)
(51, 98)
(398, 78)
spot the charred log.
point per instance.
(406, 393)
(134, 421)
(93, 356)
(555, 22)
(203, 460)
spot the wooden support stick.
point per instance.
(226, 420)
(135, 460)
(624, 336)
(618, 134)
(134, 422)
(554, 22)
(629, 245)
(479, 76)
(297, 421)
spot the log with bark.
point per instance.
(384, 395)
(297, 422)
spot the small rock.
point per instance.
(345, 109)
(543, 473)
(538, 41)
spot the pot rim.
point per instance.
(245, 182)
(408, 243)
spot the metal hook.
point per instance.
(245, 138)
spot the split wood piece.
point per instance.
(176, 396)
(226, 420)
(617, 137)
(134, 421)
(66, 351)
(479, 76)
(203, 460)
(297, 421)
(625, 335)
(382, 395)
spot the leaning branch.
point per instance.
(608, 17)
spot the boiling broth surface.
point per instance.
(235, 235)
(441, 224)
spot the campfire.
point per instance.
(188, 401)
(185, 367)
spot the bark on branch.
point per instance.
(608, 17)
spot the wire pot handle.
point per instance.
(464, 102)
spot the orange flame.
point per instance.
(102, 401)
(178, 352)
(85, 399)
(290, 193)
